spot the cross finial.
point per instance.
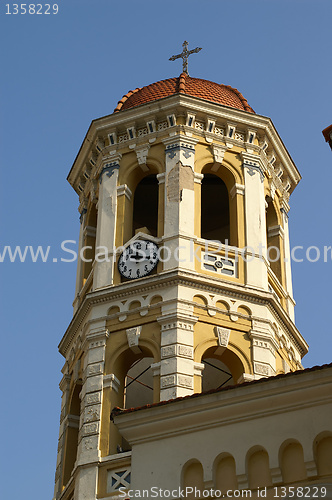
(184, 55)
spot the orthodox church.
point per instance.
(182, 373)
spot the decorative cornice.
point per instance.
(185, 278)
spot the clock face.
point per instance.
(138, 259)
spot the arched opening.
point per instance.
(193, 477)
(292, 462)
(259, 474)
(71, 440)
(145, 210)
(215, 218)
(222, 368)
(225, 473)
(135, 386)
(138, 389)
(273, 238)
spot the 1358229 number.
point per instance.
(32, 8)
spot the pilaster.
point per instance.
(91, 397)
(179, 198)
(177, 366)
(255, 221)
(263, 347)
(79, 272)
(287, 258)
(106, 223)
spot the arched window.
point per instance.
(215, 221)
(145, 212)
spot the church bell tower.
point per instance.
(183, 277)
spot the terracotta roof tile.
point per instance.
(184, 84)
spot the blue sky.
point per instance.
(61, 71)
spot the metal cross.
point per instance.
(184, 55)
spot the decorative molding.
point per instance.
(187, 150)
(108, 169)
(177, 321)
(237, 189)
(223, 335)
(84, 211)
(246, 377)
(253, 164)
(161, 178)
(262, 369)
(92, 428)
(275, 231)
(167, 381)
(218, 155)
(198, 369)
(124, 190)
(180, 350)
(94, 397)
(142, 155)
(133, 335)
(92, 413)
(95, 369)
(198, 178)
(111, 381)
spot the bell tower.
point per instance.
(183, 275)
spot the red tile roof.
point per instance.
(184, 84)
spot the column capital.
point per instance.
(82, 215)
(177, 320)
(180, 143)
(109, 164)
(180, 138)
(284, 206)
(253, 163)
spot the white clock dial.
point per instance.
(138, 259)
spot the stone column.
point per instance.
(106, 223)
(177, 355)
(88, 453)
(79, 272)
(263, 348)
(287, 256)
(179, 213)
(255, 222)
